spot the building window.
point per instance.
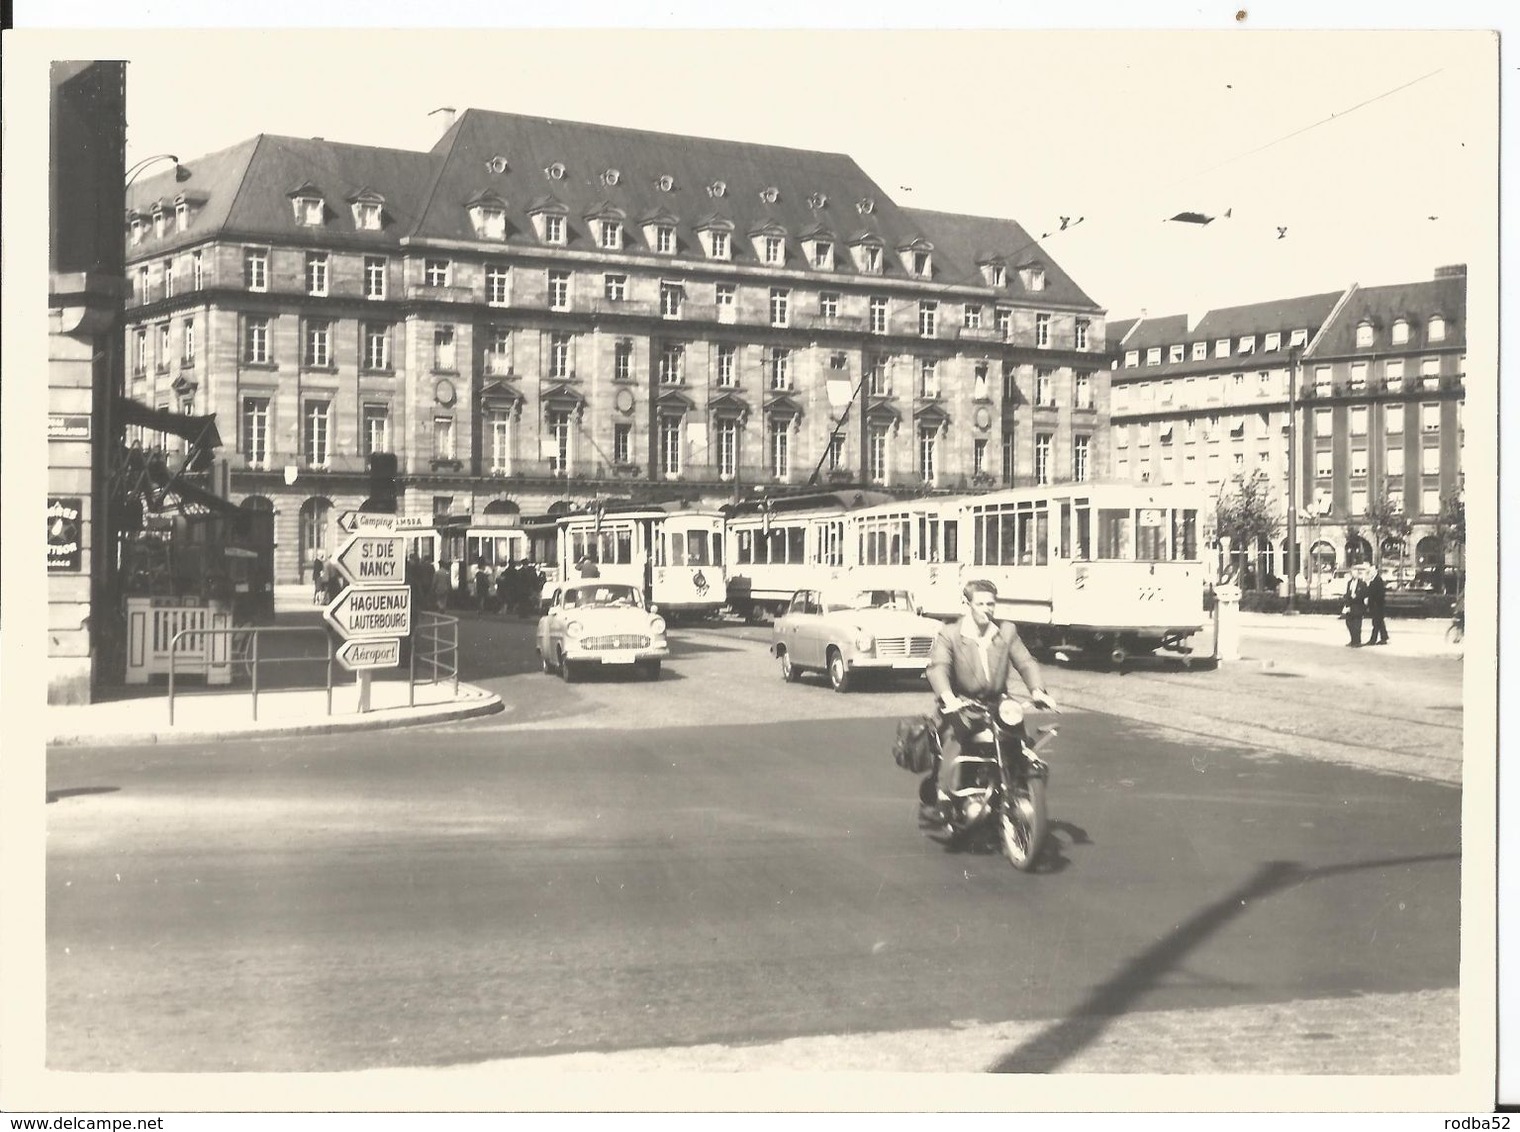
(1131, 358)
(1364, 334)
(622, 360)
(780, 297)
(878, 454)
(163, 348)
(870, 259)
(443, 438)
(1430, 373)
(498, 351)
(615, 288)
(1002, 321)
(724, 297)
(1324, 463)
(612, 235)
(1430, 417)
(309, 211)
(1393, 419)
(318, 433)
(878, 315)
(188, 357)
(1321, 422)
(256, 340)
(1221, 347)
(374, 277)
(828, 305)
(377, 346)
(316, 273)
(1153, 356)
(1083, 328)
(1044, 387)
(928, 315)
(726, 366)
(780, 365)
(1400, 332)
(1200, 351)
(728, 449)
(779, 445)
(673, 364)
(1393, 461)
(928, 377)
(1080, 446)
(921, 264)
(836, 452)
(256, 431)
(1042, 331)
(377, 429)
(554, 229)
(559, 290)
(168, 279)
(972, 316)
(823, 254)
(1082, 391)
(670, 299)
(1248, 344)
(559, 355)
(318, 343)
(1322, 385)
(719, 245)
(664, 239)
(877, 380)
(1359, 420)
(197, 271)
(622, 443)
(979, 382)
(928, 438)
(1435, 330)
(1173, 354)
(435, 272)
(444, 357)
(1358, 503)
(255, 270)
(1430, 502)
(979, 457)
(496, 285)
(1359, 461)
(1393, 375)
(1042, 447)
(498, 430)
(1358, 376)
(773, 247)
(1430, 460)
(670, 446)
(367, 216)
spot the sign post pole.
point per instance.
(362, 678)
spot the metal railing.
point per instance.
(243, 651)
(439, 632)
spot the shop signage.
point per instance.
(68, 426)
(65, 521)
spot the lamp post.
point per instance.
(132, 173)
(1294, 353)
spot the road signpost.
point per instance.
(361, 654)
(374, 610)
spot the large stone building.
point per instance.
(540, 313)
(1380, 377)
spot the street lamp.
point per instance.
(132, 173)
(1294, 353)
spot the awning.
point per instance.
(200, 431)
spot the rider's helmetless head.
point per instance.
(981, 599)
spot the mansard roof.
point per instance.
(962, 242)
(1383, 306)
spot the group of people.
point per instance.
(1365, 598)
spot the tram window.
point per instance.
(1185, 533)
(1116, 533)
(895, 551)
(775, 546)
(795, 543)
(1083, 547)
(1008, 546)
(678, 549)
(1065, 551)
(744, 553)
(717, 549)
(951, 540)
(1151, 535)
(1042, 538)
(696, 548)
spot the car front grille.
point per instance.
(904, 646)
(616, 641)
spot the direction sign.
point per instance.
(351, 521)
(372, 560)
(362, 654)
(378, 612)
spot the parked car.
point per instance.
(593, 623)
(846, 633)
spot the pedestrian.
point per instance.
(482, 585)
(442, 588)
(587, 567)
(1376, 597)
(316, 580)
(504, 587)
(1354, 606)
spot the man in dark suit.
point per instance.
(1376, 591)
(1356, 606)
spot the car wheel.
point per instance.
(789, 671)
(566, 671)
(839, 675)
(545, 663)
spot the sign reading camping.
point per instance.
(378, 612)
(372, 560)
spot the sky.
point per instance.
(1374, 152)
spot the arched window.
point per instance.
(502, 507)
(561, 507)
(1322, 557)
(1358, 550)
(257, 503)
(1427, 552)
(316, 517)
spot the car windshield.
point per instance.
(584, 597)
(869, 599)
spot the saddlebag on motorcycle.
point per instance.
(913, 749)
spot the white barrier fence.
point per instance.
(153, 622)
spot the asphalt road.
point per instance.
(716, 857)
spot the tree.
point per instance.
(1451, 529)
(1247, 513)
(1387, 519)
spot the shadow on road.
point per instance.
(75, 791)
(1051, 1048)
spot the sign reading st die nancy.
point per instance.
(372, 560)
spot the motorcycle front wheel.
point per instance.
(1021, 823)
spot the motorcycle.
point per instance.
(1000, 782)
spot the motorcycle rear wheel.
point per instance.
(1022, 824)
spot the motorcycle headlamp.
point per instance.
(1010, 713)
(574, 629)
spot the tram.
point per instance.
(909, 544)
(779, 546)
(673, 554)
(1097, 568)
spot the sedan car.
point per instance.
(590, 623)
(848, 632)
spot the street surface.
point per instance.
(719, 859)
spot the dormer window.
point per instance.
(137, 227)
(1132, 357)
(488, 216)
(366, 205)
(921, 263)
(995, 274)
(773, 249)
(1298, 338)
(1274, 342)
(1364, 333)
(1221, 347)
(308, 211)
(867, 258)
(1248, 344)
(1173, 354)
(823, 254)
(1033, 277)
(665, 239)
(1400, 331)
(159, 222)
(718, 245)
(611, 235)
(181, 215)
(1435, 331)
(917, 258)
(1153, 356)
(1200, 351)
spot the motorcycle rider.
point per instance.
(974, 660)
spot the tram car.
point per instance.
(779, 546)
(909, 544)
(1109, 570)
(674, 555)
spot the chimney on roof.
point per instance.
(1452, 271)
(448, 116)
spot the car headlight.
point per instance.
(864, 641)
(574, 629)
(657, 625)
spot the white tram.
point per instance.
(779, 546)
(674, 556)
(1098, 568)
(909, 544)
